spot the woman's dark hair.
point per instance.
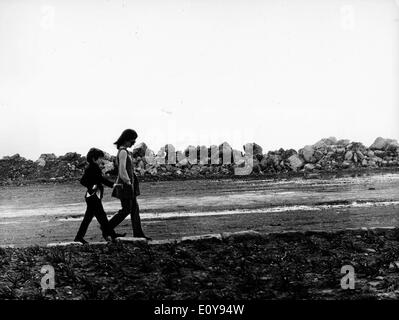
(94, 154)
(128, 134)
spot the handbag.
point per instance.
(123, 191)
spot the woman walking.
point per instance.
(127, 186)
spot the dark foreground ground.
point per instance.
(275, 266)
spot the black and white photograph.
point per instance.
(199, 150)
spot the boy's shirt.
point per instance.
(93, 180)
(96, 192)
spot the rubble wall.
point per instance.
(328, 154)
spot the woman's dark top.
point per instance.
(132, 177)
(94, 176)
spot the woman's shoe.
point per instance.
(117, 235)
(143, 236)
(120, 235)
(81, 240)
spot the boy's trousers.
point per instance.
(94, 209)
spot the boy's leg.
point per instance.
(136, 222)
(86, 220)
(102, 219)
(122, 214)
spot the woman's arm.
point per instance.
(122, 167)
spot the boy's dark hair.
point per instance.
(94, 154)
(128, 134)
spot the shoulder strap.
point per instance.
(117, 155)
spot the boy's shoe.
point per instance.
(107, 238)
(117, 235)
(113, 236)
(81, 240)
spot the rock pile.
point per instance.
(325, 155)
(48, 167)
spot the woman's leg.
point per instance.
(122, 214)
(86, 220)
(136, 222)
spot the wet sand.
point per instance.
(39, 214)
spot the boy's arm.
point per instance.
(106, 182)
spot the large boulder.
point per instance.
(107, 156)
(343, 142)
(393, 146)
(309, 167)
(183, 162)
(379, 144)
(48, 156)
(44, 157)
(149, 156)
(139, 150)
(308, 154)
(15, 157)
(179, 156)
(271, 161)
(348, 155)
(356, 146)
(360, 155)
(323, 143)
(318, 155)
(275, 159)
(253, 149)
(286, 154)
(160, 157)
(265, 163)
(295, 162)
(108, 166)
(70, 156)
(346, 164)
(384, 144)
(256, 168)
(41, 162)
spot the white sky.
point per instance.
(74, 74)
